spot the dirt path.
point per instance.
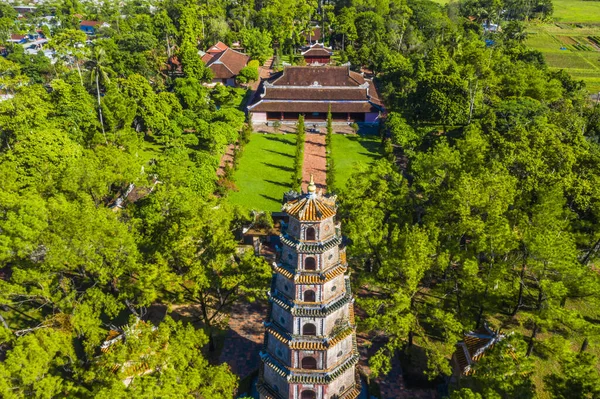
(244, 338)
(315, 160)
(227, 158)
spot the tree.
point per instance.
(99, 72)
(248, 74)
(257, 44)
(578, 377)
(69, 44)
(505, 371)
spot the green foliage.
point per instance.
(257, 44)
(248, 74)
(578, 377)
(299, 156)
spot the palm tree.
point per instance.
(99, 72)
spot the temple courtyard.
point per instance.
(265, 168)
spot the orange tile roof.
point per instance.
(311, 208)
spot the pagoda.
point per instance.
(310, 347)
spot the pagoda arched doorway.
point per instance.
(309, 296)
(309, 329)
(308, 395)
(310, 234)
(310, 264)
(309, 363)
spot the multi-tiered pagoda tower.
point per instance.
(310, 343)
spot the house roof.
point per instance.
(90, 23)
(226, 64)
(318, 50)
(314, 89)
(17, 37)
(217, 48)
(318, 76)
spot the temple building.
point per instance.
(311, 90)
(310, 347)
(224, 62)
(317, 54)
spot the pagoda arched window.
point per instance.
(308, 394)
(310, 264)
(309, 296)
(310, 234)
(309, 363)
(309, 329)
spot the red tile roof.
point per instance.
(226, 64)
(318, 50)
(314, 89)
(219, 47)
(90, 23)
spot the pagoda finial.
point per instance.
(311, 185)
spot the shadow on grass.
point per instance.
(279, 139)
(280, 167)
(277, 200)
(279, 153)
(278, 183)
(373, 155)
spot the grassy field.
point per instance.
(265, 172)
(348, 150)
(577, 11)
(573, 48)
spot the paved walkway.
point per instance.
(244, 338)
(315, 160)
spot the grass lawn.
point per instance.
(577, 11)
(348, 150)
(265, 172)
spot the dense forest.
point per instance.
(485, 208)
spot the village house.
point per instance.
(317, 54)
(311, 91)
(225, 63)
(92, 27)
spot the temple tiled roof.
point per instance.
(473, 346)
(317, 50)
(311, 208)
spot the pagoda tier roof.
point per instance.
(304, 278)
(303, 310)
(267, 391)
(311, 207)
(309, 377)
(310, 247)
(303, 342)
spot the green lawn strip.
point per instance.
(264, 172)
(348, 150)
